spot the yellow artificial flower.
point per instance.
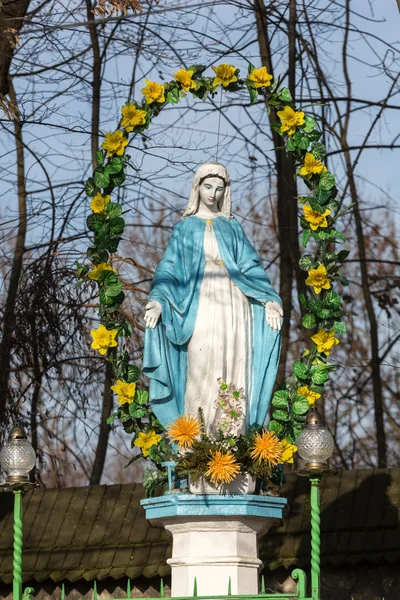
(315, 218)
(103, 339)
(224, 74)
(260, 77)
(132, 116)
(184, 430)
(290, 119)
(311, 166)
(99, 202)
(185, 79)
(318, 279)
(222, 468)
(153, 92)
(325, 340)
(288, 451)
(125, 391)
(94, 274)
(115, 143)
(267, 447)
(309, 394)
(146, 440)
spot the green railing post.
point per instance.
(315, 480)
(17, 556)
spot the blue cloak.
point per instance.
(176, 285)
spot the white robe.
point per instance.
(222, 338)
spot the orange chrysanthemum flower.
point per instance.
(223, 468)
(267, 447)
(184, 430)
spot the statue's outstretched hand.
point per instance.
(274, 314)
(153, 311)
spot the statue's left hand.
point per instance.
(274, 314)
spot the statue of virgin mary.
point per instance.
(212, 312)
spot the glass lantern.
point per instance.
(315, 443)
(17, 457)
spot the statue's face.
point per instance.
(211, 191)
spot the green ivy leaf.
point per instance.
(333, 299)
(319, 150)
(342, 255)
(300, 406)
(141, 397)
(250, 68)
(114, 289)
(114, 166)
(132, 375)
(117, 225)
(113, 209)
(305, 237)
(285, 95)
(118, 179)
(303, 299)
(319, 374)
(281, 415)
(327, 181)
(137, 412)
(276, 427)
(280, 399)
(303, 142)
(315, 205)
(309, 124)
(173, 96)
(111, 418)
(95, 222)
(323, 196)
(100, 156)
(300, 370)
(252, 93)
(90, 188)
(339, 327)
(101, 178)
(290, 145)
(306, 262)
(324, 313)
(308, 321)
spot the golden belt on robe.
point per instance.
(215, 262)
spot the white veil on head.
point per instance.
(210, 169)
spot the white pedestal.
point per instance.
(214, 540)
(214, 551)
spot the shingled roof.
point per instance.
(101, 531)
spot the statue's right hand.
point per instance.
(153, 311)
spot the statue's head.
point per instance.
(211, 180)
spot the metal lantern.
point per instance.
(315, 443)
(17, 458)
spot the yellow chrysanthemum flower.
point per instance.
(288, 451)
(146, 440)
(184, 430)
(318, 279)
(153, 92)
(132, 116)
(267, 447)
(115, 143)
(311, 166)
(260, 77)
(309, 394)
(103, 339)
(94, 274)
(224, 74)
(222, 468)
(125, 391)
(290, 119)
(315, 218)
(325, 340)
(185, 79)
(99, 202)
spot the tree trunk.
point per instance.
(286, 186)
(375, 363)
(12, 13)
(16, 269)
(104, 433)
